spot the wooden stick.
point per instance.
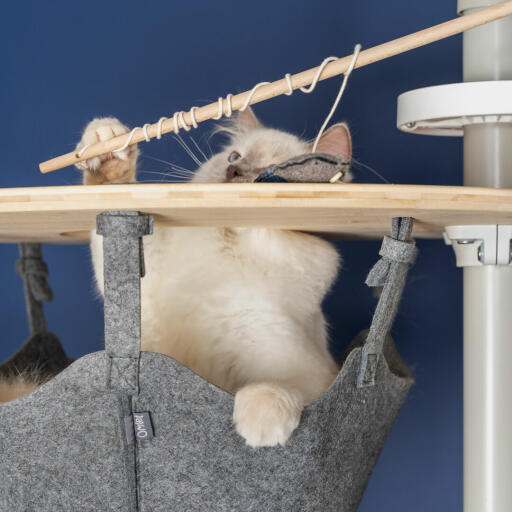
(337, 67)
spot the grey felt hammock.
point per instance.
(127, 430)
(41, 356)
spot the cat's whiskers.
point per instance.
(170, 164)
(171, 175)
(198, 148)
(371, 169)
(206, 139)
(176, 180)
(190, 153)
(173, 172)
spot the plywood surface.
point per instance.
(66, 214)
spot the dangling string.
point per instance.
(179, 121)
(346, 75)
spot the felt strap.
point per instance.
(123, 262)
(34, 272)
(398, 253)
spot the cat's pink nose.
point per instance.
(232, 172)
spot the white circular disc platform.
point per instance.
(445, 109)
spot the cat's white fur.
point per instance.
(239, 307)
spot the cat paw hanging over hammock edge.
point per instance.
(325, 465)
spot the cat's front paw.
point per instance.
(117, 166)
(265, 414)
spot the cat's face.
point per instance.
(253, 148)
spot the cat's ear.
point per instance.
(247, 120)
(336, 141)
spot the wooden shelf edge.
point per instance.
(66, 214)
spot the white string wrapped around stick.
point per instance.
(286, 85)
(179, 121)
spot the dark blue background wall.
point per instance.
(64, 62)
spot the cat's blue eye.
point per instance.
(234, 155)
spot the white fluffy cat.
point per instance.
(240, 307)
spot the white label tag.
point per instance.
(138, 426)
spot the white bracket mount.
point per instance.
(480, 245)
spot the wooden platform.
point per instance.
(66, 214)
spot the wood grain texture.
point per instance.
(66, 214)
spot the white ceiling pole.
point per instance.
(480, 109)
(487, 56)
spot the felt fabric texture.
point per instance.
(390, 272)
(41, 357)
(64, 447)
(34, 272)
(123, 267)
(308, 168)
(197, 462)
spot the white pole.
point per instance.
(487, 290)
(487, 389)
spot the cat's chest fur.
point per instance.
(209, 294)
